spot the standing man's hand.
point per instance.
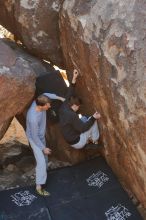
(75, 76)
(47, 151)
(62, 99)
(96, 115)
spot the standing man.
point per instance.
(35, 131)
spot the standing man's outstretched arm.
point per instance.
(54, 96)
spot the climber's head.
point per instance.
(74, 103)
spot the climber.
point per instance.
(77, 132)
(35, 131)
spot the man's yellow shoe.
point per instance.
(42, 192)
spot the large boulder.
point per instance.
(36, 25)
(18, 73)
(17, 82)
(106, 42)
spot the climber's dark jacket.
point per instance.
(71, 125)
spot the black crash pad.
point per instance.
(22, 204)
(66, 184)
(88, 191)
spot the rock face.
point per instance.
(17, 83)
(35, 24)
(107, 45)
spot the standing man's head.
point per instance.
(43, 103)
(74, 103)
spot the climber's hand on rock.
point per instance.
(96, 115)
(75, 75)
